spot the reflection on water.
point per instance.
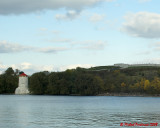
(76, 111)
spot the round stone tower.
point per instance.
(23, 84)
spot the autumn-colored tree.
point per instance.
(123, 87)
(155, 86)
(146, 85)
(135, 88)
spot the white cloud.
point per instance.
(70, 15)
(155, 60)
(60, 40)
(94, 45)
(150, 61)
(144, 53)
(52, 49)
(26, 65)
(74, 66)
(7, 47)
(56, 32)
(30, 68)
(28, 6)
(143, 1)
(3, 68)
(43, 29)
(23, 66)
(89, 44)
(142, 24)
(96, 17)
(156, 46)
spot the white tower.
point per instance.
(23, 84)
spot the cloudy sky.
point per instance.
(53, 35)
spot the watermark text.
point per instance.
(137, 124)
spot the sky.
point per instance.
(55, 35)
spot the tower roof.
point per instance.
(23, 74)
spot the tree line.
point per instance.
(80, 81)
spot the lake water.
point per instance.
(29, 111)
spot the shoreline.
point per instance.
(104, 94)
(129, 94)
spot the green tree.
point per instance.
(9, 71)
(8, 82)
(38, 83)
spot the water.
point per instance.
(29, 111)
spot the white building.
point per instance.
(122, 65)
(23, 84)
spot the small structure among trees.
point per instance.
(23, 84)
